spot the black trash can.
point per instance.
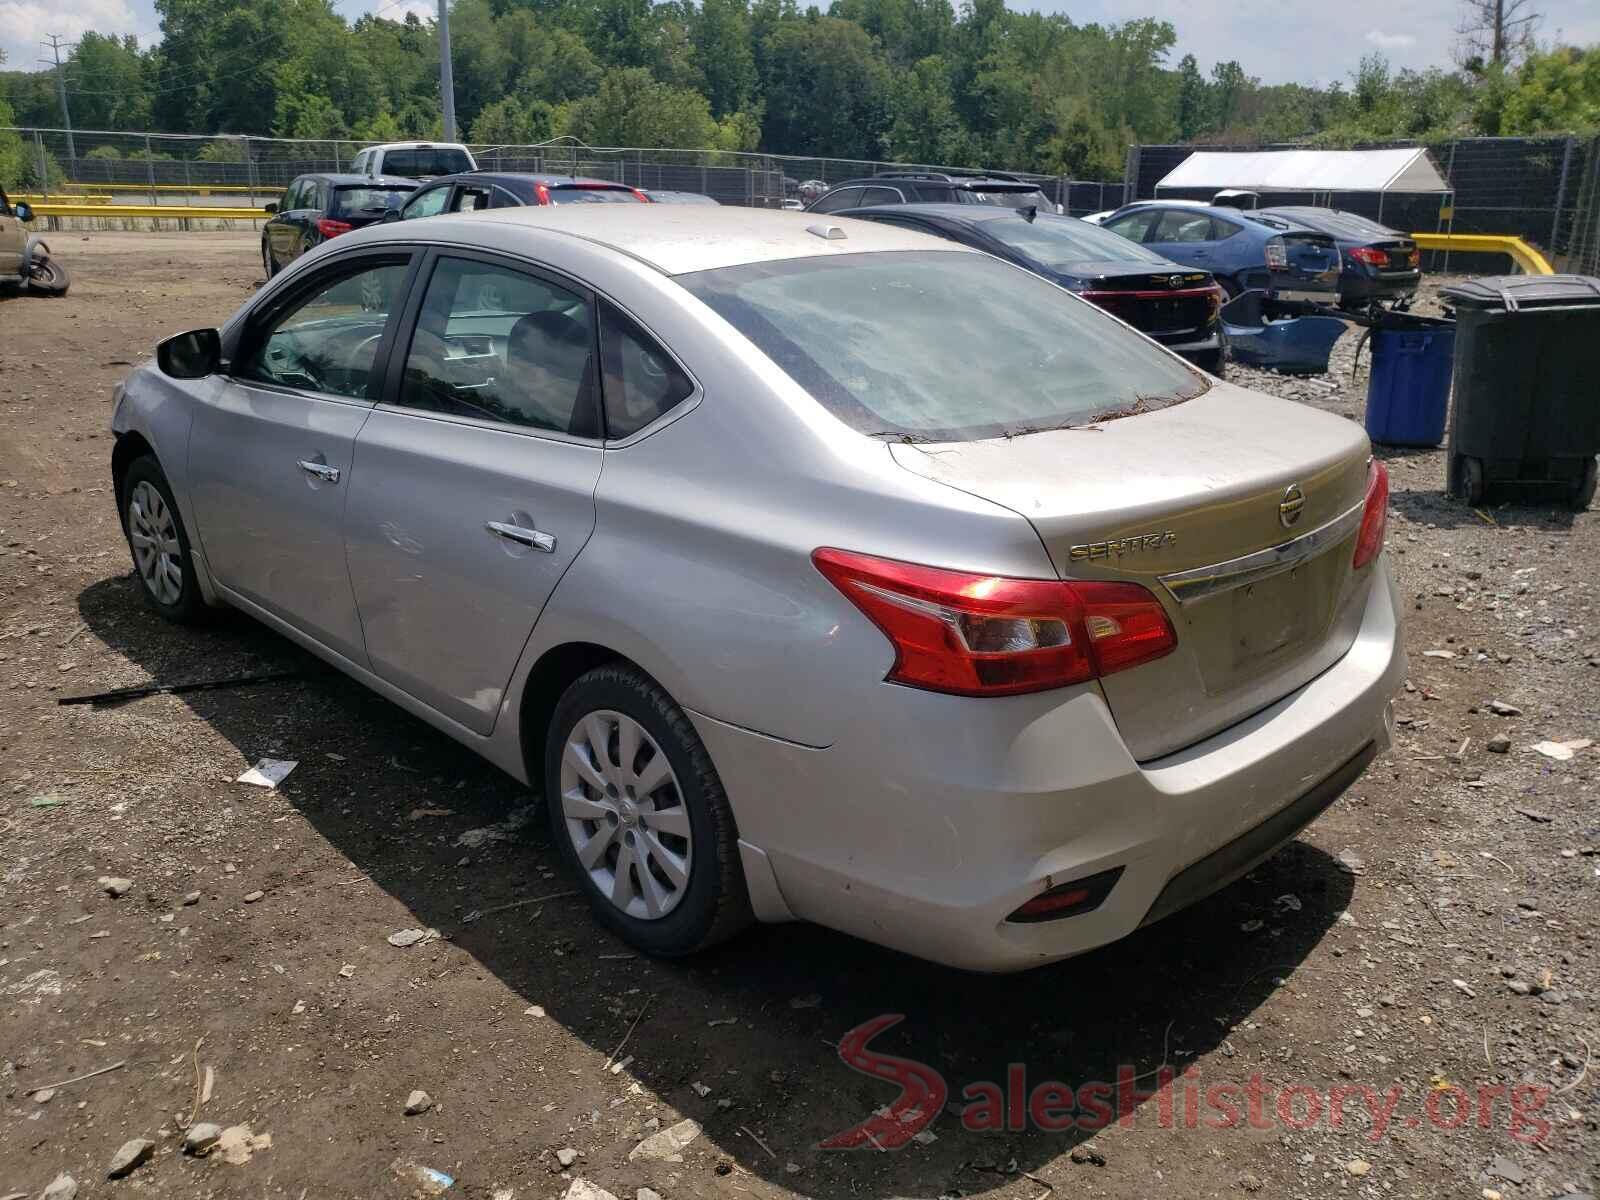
(1527, 386)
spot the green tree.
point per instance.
(630, 108)
(1555, 92)
(829, 92)
(724, 44)
(1194, 100)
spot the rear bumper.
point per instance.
(926, 828)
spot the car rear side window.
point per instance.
(641, 379)
(837, 201)
(1222, 230)
(880, 195)
(470, 199)
(367, 201)
(1176, 225)
(427, 203)
(588, 194)
(942, 345)
(500, 344)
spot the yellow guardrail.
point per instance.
(1524, 255)
(176, 212)
(59, 198)
(197, 189)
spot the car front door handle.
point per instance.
(321, 470)
(533, 538)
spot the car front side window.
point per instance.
(837, 201)
(327, 341)
(499, 344)
(427, 203)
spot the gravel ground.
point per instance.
(1433, 933)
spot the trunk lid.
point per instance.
(1172, 500)
(1159, 303)
(1312, 262)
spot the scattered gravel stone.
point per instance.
(1519, 987)
(418, 1102)
(132, 1153)
(582, 1189)
(62, 1187)
(410, 937)
(1503, 1168)
(1087, 1154)
(647, 1194)
(115, 886)
(252, 897)
(566, 1156)
(1357, 1167)
(1499, 745)
(201, 1138)
(1501, 709)
(191, 898)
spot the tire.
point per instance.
(268, 261)
(610, 708)
(1214, 362)
(1472, 486)
(152, 524)
(1583, 491)
(47, 277)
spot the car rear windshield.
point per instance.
(588, 193)
(428, 160)
(1010, 197)
(363, 201)
(1060, 243)
(942, 346)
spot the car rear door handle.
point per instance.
(534, 538)
(321, 470)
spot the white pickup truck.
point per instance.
(414, 160)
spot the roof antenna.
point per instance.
(1028, 212)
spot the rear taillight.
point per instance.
(1277, 255)
(328, 227)
(1214, 298)
(1374, 515)
(541, 194)
(987, 635)
(643, 199)
(1370, 255)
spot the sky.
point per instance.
(1305, 41)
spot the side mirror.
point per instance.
(192, 355)
(24, 210)
(390, 215)
(270, 207)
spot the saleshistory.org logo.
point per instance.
(1180, 1099)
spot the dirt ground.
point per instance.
(1434, 931)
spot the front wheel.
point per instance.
(160, 544)
(1472, 485)
(1583, 491)
(640, 815)
(268, 263)
(47, 277)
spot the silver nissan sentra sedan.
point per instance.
(811, 569)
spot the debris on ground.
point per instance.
(115, 886)
(418, 1103)
(1087, 1154)
(237, 1143)
(268, 772)
(582, 1189)
(62, 1187)
(1562, 751)
(202, 1138)
(501, 831)
(666, 1145)
(426, 1181)
(133, 1153)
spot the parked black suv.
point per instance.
(932, 187)
(315, 208)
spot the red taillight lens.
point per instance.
(1370, 255)
(541, 194)
(1374, 516)
(328, 227)
(643, 199)
(986, 635)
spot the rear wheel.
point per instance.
(1472, 480)
(160, 544)
(267, 262)
(1583, 492)
(640, 816)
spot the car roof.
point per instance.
(343, 180)
(416, 146)
(963, 182)
(527, 177)
(966, 214)
(672, 238)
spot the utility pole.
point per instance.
(447, 88)
(56, 45)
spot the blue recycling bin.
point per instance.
(1408, 392)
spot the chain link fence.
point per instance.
(234, 170)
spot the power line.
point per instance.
(54, 42)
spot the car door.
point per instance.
(271, 448)
(1183, 235)
(313, 204)
(428, 202)
(279, 229)
(12, 239)
(477, 476)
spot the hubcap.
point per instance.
(154, 534)
(625, 814)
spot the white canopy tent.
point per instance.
(1410, 170)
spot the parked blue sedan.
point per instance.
(1243, 250)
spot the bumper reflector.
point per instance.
(1068, 899)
